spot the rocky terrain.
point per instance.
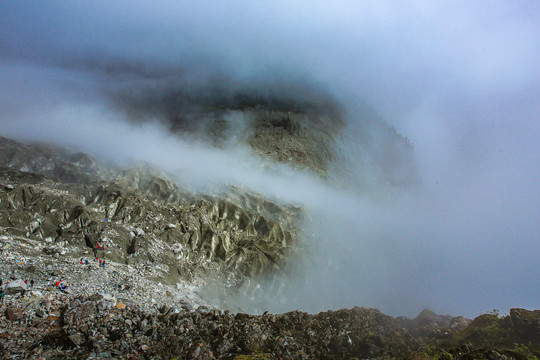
(51, 324)
(142, 219)
(171, 258)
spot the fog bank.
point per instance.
(459, 80)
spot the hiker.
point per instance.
(86, 261)
(103, 263)
(32, 283)
(22, 293)
(81, 261)
(56, 283)
(1, 281)
(2, 295)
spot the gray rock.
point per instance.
(77, 338)
(15, 287)
(96, 297)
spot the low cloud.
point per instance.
(459, 80)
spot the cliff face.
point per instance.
(298, 125)
(142, 216)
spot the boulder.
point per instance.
(40, 312)
(14, 314)
(77, 338)
(15, 287)
(95, 297)
(107, 301)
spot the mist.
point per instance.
(459, 80)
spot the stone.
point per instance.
(108, 300)
(15, 287)
(96, 297)
(458, 323)
(77, 338)
(14, 314)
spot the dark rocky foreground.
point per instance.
(66, 326)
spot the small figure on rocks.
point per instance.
(103, 263)
(1, 281)
(32, 283)
(2, 295)
(81, 261)
(22, 293)
(86, 261)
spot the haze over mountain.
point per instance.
(448, 221)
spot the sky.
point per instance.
(461, 80)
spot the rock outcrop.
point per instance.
(143, 218)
